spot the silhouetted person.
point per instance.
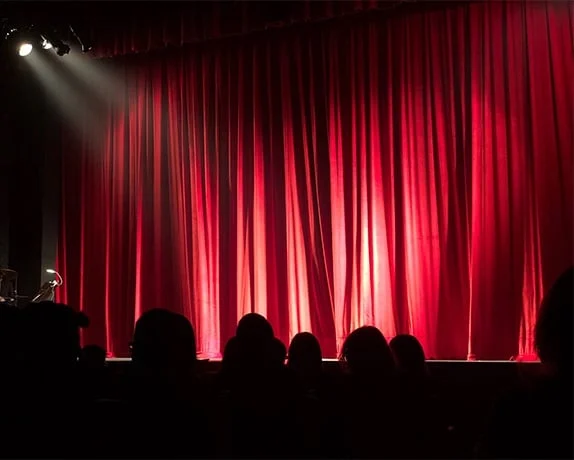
(164, 352)
(97, 380)
(168, 417)
(305, 362)
(50, 395)
(367, 354)
(259, 412)
(368, 407)
(305, 359)
(421, 412)
(92, 357)
(279, 354)
(254, 327)
(553, 332)
(231, 359)
(409, 355)
(537, 422)
(247, 354)
(257, 350)
(52, 340)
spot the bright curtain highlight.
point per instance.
(413, 173)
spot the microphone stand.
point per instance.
(47, 291)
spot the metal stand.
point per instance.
(46, 293)
(8, 286)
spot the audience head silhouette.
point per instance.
(553, 332)
(305, 357)
(93, 357)
(257, 350)
(52, 332)
(164, 342)
(279, 351)
(254, 327)
(230, 356)
(535, 421)
(367, 352)
(409, 354)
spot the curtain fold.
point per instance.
(413, 173)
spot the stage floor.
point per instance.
(450, 370)
(334, 360)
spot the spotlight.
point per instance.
(25, 49)
(44, 36)
(51, 39)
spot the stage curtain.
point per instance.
(412, 173)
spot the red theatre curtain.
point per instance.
(413, 173)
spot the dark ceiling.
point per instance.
(90, 13)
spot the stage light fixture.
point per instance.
(27, 36)
(51, 39)
(25, 49)
(62, 49)
(85, 44)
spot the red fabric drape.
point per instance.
(413, 173)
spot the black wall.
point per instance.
(29, 176)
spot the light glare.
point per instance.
(46, 45)
(25, 49)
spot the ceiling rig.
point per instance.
(25, 37)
